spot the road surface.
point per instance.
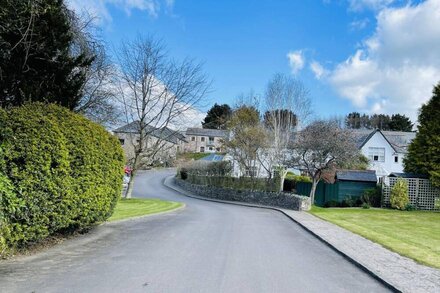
(206, 247)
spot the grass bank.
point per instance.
(136, 207)
(414, 234)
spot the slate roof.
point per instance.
(356, 175)
(408, 175)
(213, 158)
(164, 133)
(206, 132)
(398, 140)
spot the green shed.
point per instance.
(348, 183)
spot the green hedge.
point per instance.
(241, 183)
(59, 172)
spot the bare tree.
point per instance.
(287, 103)
(156, 91)
(322, 146)
(98, 92)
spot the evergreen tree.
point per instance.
(400, 123)
(424, 151)
(217, 117)
(38, 59)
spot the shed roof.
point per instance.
(408, 175)
(356, 175)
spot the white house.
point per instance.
(384, 149)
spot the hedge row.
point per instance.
(59, 172)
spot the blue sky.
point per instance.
(372, 56)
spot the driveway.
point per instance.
(206, 247)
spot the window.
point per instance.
(217, 149)
(202, 138)
(122, 141)
(202, 149)
(211, 139)
(396, 159)
(376, 154)
(251, 172)
(193, 138)
(210, 148)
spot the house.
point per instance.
(201, 140)
(384, 149)
(161, 144)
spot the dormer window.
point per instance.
(376, 154)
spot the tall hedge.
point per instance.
(58, 172)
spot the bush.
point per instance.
(331, 204)
(348, 202)
(365, 205)
(410, 207)
(66, 173)
(373, 196)
(399, 194)
(291, 179)
(183, 173)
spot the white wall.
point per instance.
(389, 166)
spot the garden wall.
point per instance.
(274, 199)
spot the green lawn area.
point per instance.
(135, 207)
(415, 234)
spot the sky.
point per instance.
(370, 56)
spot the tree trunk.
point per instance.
(282, 173)
(312, 191)
(130, 185)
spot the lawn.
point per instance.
(414, 234)
(135, 207)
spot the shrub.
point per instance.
(373, 196)
(410, 207)
(66, 173)
(183, 173)
(365, 205)
(348, 202)
(399, 194)
(291, 179)
(331, 204)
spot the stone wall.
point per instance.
(274, 199)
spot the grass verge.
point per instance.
(136, 207)
(414, 234)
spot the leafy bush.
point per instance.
(183, 172)
(365, 205)
(291, 179)
(61, 172)
(373, 196)
(348, 202)
(410, 207)
(399, 194)
(331, 204)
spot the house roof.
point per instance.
(206, 132)
(398, 140)
(408, 175)
(356, 175)
(213, 158)
(164, 133)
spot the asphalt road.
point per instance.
(206, 247)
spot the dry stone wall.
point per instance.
(274, 199)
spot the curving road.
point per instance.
(206, 247)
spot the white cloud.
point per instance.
(396, 68)
(359, 5)
(359, 24)
(100, 8)
(318, 69)
(296, 61)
